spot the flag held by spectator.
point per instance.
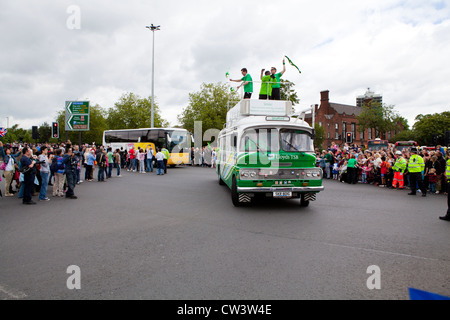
(3, 132)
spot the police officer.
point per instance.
(415, 168)
(399, 169)
(166, 158)
(447, 175)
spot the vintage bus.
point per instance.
(264, 150)
(377, 144)
(176, 140)
(402, 145)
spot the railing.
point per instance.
(241, 91)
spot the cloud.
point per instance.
(397, 48)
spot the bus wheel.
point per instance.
(303, 202)
(173, 165)
(220, 178)
(235, 198)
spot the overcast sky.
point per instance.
(399, 49)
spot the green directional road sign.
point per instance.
(77, 116)
(78, 122)
(77, 107)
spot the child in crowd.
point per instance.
(383, 171)
(335, 171)
(364, 173)
(432, 178)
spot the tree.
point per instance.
(209, 105)
(132, 112)
(430, 125)
(45, 132)
(95, 134)
(17, 134)
(287, 91)
(320, 136)
(405, 135)
(380, 117)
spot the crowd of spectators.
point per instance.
(353, 164)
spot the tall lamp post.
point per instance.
(153, 29)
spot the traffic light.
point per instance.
(55, 130)
(34, 133)
(349, 137)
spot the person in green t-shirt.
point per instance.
(276, 94)
(352, 167)
(266, 86)
(110, 163)
(247, 82)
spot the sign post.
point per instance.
(77, 116)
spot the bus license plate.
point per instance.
(282, 194)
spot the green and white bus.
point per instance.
(267, 150)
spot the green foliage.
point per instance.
(376, 116)
(209, 105)
(431, 124)
(320, 136)
(132, 112)
(287, 91)
(16, 134)
(45, 132)
(405, 135)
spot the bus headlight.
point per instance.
(248, 174)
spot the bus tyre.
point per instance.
(303, 202)
(220, 178)
(235, 194)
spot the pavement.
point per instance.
(178, 236)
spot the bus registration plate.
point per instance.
(282, 194)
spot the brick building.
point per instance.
(338, 119)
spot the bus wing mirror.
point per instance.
(313, 134)
(234, 141)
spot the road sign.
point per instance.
(77, 116)
(78, 122)
(77, 107)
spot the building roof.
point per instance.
(347, 109)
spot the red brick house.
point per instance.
(338, 119)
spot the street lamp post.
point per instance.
(153, 29)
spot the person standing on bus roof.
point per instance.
(276, 94)
(247, 82)
(266, 85)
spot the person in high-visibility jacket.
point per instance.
(415, 168)
(399, 169)
(166, 158)
(447, 175)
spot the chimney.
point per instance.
(325, 96)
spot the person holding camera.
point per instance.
(29, 173)
(70, 162)
(45, 172)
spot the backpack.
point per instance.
(54, 166)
